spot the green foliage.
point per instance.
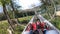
(5, 1)
(21, 20)
(25, 19)
(2, 17)
(18, 29)
(10, 14)
(57, 2)
(46, 17)
(3, 27)
(56, 22)
(2, 31)
(17, 15)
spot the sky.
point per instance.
(26, 4)
(1, 9)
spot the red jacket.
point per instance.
(34, 26)
(42, 25)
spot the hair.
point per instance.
(38, 19)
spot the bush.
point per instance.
(56, 22)
(25, 20)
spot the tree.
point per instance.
(6, 13)
(49, 7)
(13, 9)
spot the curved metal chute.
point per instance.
(42, 20)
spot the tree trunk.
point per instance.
(7, 16)
(14, 13)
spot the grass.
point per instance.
(4, 26)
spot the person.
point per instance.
(35, 31)
(38, 26)
(31, 32)
(34, 26)
(44, 31)
(29, 28)
(42, 25)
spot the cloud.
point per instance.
(27, 4)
